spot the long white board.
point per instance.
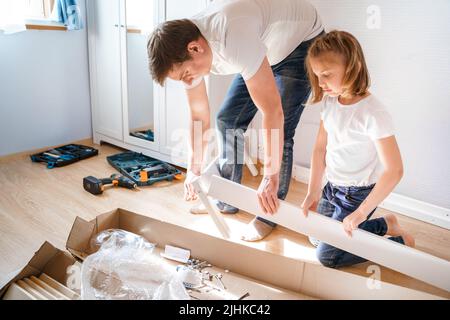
(410, 261)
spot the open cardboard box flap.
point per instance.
(78, 242)
(49, 260)
(262, 266)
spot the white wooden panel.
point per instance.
(105, 67)
(410, 261)
(17, 293)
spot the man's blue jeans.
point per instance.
(238, 111)
(337, 203)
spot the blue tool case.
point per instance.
(145, 134)
(142, 169)
(64, 155)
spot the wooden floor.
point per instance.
(38, 205)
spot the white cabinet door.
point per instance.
(174, 112)
(105, 64)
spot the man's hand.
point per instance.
(189, 190)
(310, 202)
(268, 194)
(352, 221)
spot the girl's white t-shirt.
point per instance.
(242, 32)
(351, 158)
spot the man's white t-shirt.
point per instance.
(242, 32)
(352, 158)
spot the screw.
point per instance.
(244, 296)
(219, 277)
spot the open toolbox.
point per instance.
(64, 155)
(142, 169)
(144, 134)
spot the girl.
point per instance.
(355, 146)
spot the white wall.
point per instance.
(408, 61)
(44, 89)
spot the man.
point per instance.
(265, 42)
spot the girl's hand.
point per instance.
(310, 202)
(352, 221)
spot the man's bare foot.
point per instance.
(199, 208)
(395, 230)
(256, 230)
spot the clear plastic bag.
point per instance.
(125, 268)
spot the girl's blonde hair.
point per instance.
(356, 78)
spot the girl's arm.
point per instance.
(391, 159)
(317, 170)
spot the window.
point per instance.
(38, 9)
(21, 15)
(140, 15)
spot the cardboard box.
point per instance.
(264, 275)
(47, 260)
(292, 275)
(202, 247)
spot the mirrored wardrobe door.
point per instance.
(140, 92)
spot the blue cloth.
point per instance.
(68, 12)
(337, 203)
(238, 111)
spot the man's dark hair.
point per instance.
(168, 46)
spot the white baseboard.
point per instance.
(410, 207)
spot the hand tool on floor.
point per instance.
(97, 186)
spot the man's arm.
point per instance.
(200, 118)
(265, 95)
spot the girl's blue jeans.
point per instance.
(337, 203)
